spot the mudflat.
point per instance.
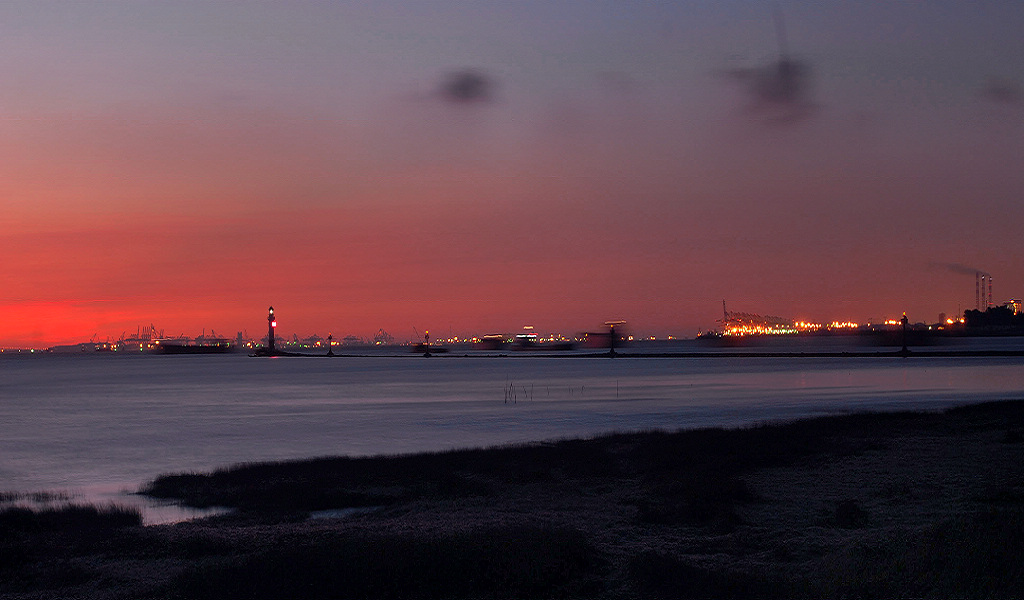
(891, 505)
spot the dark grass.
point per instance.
(75, 518)
(37, 547)
(659, 575)
(848, 514)
(510, 562)
(977, 555)
(688, 476)
(34, 496)
(683, 499)
(342, 482)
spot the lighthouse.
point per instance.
(271, 324)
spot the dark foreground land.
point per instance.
(924, 505)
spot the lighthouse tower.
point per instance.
(271, 324)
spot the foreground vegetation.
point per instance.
(867, 505)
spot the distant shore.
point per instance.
(908, 504)
(915, 352)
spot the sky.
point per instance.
(469, 167)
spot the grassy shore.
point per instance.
(888, 505)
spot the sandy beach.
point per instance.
(892, 505)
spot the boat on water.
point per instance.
(427, 349)
(209, 346)
(528, 339)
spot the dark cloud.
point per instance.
(1002, 91)
(779, 92)
(467, 86)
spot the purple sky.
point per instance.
(480, 168)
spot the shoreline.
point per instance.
(922, 504)
(724, 354)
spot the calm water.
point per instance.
(96, 426)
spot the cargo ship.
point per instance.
(208, 346)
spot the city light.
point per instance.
(762, 329)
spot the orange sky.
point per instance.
(190, 166)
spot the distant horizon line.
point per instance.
(412, 334)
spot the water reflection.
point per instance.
(103, 426)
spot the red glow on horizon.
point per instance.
(437, 263)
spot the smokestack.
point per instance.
(989, 291)
(977, 290)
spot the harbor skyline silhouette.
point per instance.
(438, 168)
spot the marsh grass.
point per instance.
(380, 481)
(659, 575)
(339, 482)
(687, 477)
(513, 562)
(848, 514)
(692, 514)
(35, 497)
(37, 547)
(75, 518)
(979, 555)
